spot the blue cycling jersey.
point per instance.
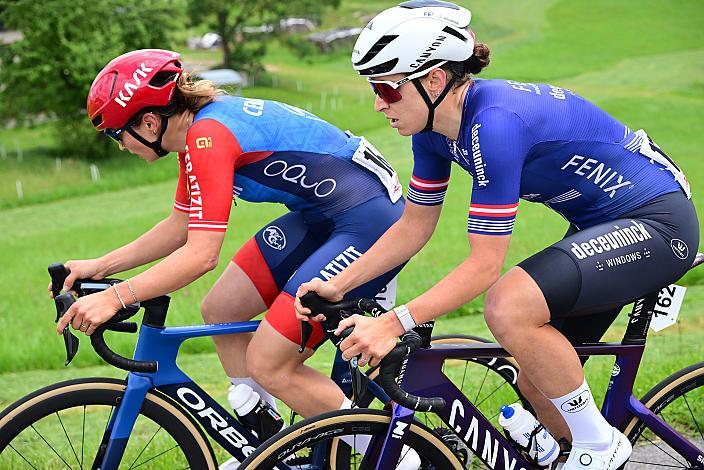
(266, 151)
(544, 144)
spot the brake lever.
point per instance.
(63, 302)
(71, 344)
(306, 332)
(359, 381)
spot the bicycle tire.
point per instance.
(682, 396)
(298, 438)
(23, 420)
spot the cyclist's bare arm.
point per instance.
(467, 281)
(161, 240)
(186, 264)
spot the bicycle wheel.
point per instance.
(297, 445)
(679, 401)
(63, 424)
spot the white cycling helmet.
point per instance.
(416, 36)
(413, 36)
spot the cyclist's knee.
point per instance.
(498, 312)
(274, 376)
(210, 310)
(214, 310)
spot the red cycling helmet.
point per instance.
(130, 83)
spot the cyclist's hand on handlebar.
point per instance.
(80, 269)
(324, 289)
(89, 312)
(372, 338)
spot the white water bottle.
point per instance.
(253, 412)
(520, 424)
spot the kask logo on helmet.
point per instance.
(129, 88)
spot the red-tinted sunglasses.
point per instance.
(388, 90)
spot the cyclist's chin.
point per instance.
(149, 158)
(406, 131)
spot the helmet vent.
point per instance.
(97, 120)
(376, 48)
(114, 80)
(379, 69)
(428, 3)
(163, 78)
(454, 32)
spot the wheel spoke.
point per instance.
(50, 446)
(22, 456)
(493, 392)
(112, 409)
(481, 385)
(145, 448)
(693, 417)
(157, 455)
(663, 451)
(464, 375)
(652, 464)
(67, 438)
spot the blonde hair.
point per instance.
(194, 95)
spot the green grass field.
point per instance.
(641, 61)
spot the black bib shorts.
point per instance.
(589, 275)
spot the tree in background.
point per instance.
(65, 44)
(243, 51)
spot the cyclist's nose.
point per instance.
(379, 104)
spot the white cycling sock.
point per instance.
(410, 460)
(263, 394)
(588, 427)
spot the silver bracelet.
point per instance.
(405, 317)
(129, 285)
(122, 302)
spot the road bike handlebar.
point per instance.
(82, 287)
(393, 365)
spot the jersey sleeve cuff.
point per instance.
(427, 192)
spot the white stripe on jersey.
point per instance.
(571, 194)
(415, 196)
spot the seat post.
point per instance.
(639, 319)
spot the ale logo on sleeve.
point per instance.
(204, 142)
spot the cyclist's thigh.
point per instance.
(613, 263)
(276, 251)
(233, 297)
(355, 232)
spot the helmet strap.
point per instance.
(156, 145)
(431, 106)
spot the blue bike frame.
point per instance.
(162, 345)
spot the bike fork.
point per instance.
(121, 423)
(390, 450)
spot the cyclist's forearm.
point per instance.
(465, 283)
(162, 240)
(396, 246)
(178, 269)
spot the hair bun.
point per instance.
(479, 59)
